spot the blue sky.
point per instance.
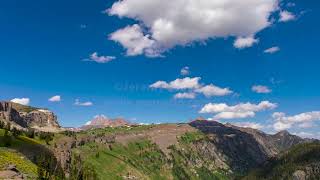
(46, 46)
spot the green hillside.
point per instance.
(23, 164)
(143, 159)
(140, 159)
(30, 156)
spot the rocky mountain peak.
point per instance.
(283, 133)
(101, 121)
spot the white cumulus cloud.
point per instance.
(193, 85)
(283, 122)
(166, 24)
(56, 98)
(242, 110)
(272, 50)
(212, 90)
(23, 101)
(178, 84)
(245, 42)
(133, 39)
(261, 89)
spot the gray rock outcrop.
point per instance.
(21, 116)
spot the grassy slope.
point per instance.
(23, 108)
(8, 155)
(297, 158)
(142, 159)
(27, 154)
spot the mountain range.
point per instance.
(107, 148)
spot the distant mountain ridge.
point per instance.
(101, 121)
(116, 149)
(22, 117)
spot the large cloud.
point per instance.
(169, 23)
(242, 110)
(283, 122)
(133, 39)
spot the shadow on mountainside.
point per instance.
(242, 149)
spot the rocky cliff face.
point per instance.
(40, 118)
(10, 114)
(22, 116)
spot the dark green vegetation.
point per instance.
(302, 160)
(30, 155)
(143, 159)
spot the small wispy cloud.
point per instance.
(185, 71)
(56, 98)
(261, 89)
(272, 50)
(100, 59)
(185, 96)
(251, 125)
(286, 16)
(78, 103)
